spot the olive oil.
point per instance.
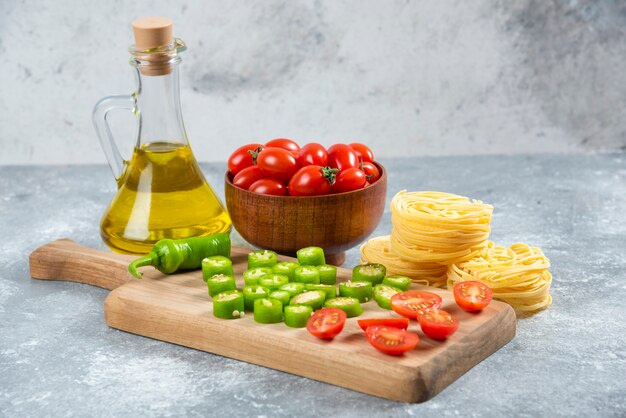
(161, 194)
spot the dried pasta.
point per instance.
(517, 274)
(378, 250)
(437, 227)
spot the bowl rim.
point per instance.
(383, 175)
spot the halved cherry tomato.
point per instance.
(284, 143)
(241, 158)
(342, 156)
(312, 180)
(313, 154)
(472, 296)
(363, 152)
(371, 171)
(326, 323)
(349, 179)
(277, 163)
(437, 323)
(268, 186)
(412, 302)
(390, 340)
(402, 323)
(247, 176)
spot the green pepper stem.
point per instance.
(148, 260)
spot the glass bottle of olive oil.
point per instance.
(161, 190)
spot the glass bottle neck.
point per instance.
(158, 108)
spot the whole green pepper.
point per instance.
(168, 256)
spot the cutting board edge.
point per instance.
(506, 324)
(412, 386)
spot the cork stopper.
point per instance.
(152, 32)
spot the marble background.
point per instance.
(407, 77)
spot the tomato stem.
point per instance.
(330, 174)
(255, 154)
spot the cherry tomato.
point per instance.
(472, 296)
(312, 180)
(363, 152)
(247, 176)
(313, 154)
(241, 158)
(371, 171)
(412, 302)
(349, 179)
(391, 340)
(342, 156)
(268, 186)
(326, 323)
(402, 323)
(437, 323)
(277, 163)
(284, 143)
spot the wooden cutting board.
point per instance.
(177, 309)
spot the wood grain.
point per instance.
(177, 309)
(335, 222)
(69, 261)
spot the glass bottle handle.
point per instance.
(99, 117)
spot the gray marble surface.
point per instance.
(58, 358)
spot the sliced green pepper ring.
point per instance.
(359, 289)
(252, 293)
(328, 274)
(313, 298)
(273, 281)
(251, 276)
(268, 311)
(262, 258)
(293, 288)
(228, 305)
(287, 268)
(311, 256)
(330, 290)
(296, 316)
(383, 294)
(220, 283)
(217, 264)
(307, 274)
(373, 273)
(282, 295)
(351, 306)
(400, 282)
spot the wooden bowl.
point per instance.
(335, 222)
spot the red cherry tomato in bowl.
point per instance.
(312, 180)
(247, 176)
(313, 154)
(412, 303)
(437, 324)
(363, 152)
(326, 323)
(342, 156)
(268, 186)
(241, 158)
(284, 143)
(371, 171)
(391, 340)
(472, 296)
(277, 163)
(349, 179)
